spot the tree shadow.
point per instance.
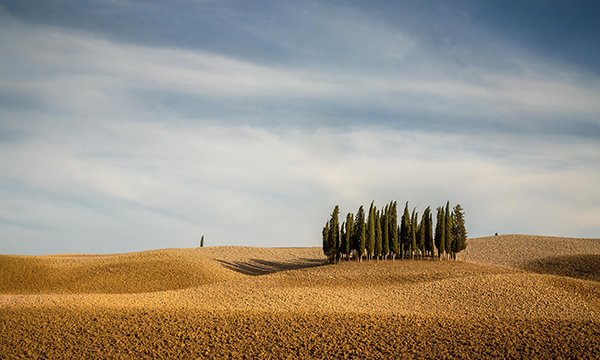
(255, 267)
(584, 266)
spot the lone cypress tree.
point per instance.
(361, 232)
(202, 241)
(448, 229)
(378, 236)
(459, 231)
(440, 232)
(404, 231)
(371, 231)
(385, 229)
(393, 229)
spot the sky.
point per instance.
(136, 125)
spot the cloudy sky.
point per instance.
(131, 125)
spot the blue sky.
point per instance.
(129, 125)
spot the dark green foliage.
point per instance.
(404, 231)
(385, 232)
(347, 246)
(448, 229)
(459, 231)
(360, 228)
(343, 239)
(202, 241)
(440, 232)
(421, 236)
(413, 235)
(325, 232)
(393, 229)
(371, 231)
(378, 236)
(426, 224)
(332, 243)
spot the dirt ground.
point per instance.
(237, 302)
(191, 334)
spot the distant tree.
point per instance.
(202, 241)
(393, 229)
(385, 232)
(440, 232)
(459, 231)
(371, 231)
(378, 236)
(360, 229)
(404, 231)
(448, 229)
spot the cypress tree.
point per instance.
(371, 231)
(421, 236)
(385, 236)
(343, 239)
(334, 234)
(349, 235)
(404, 231)
(448, 229)
(378, 236)
(459, 231)
(393, 229)
(202, 241)
(428, 233)
(326, 247)
(361, 233)
(440, 232)
(413, 233)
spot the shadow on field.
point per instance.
(586, 267)
(263, 267)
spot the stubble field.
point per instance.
(511, 296)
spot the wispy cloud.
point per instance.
(103, 139)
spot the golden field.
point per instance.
(511, 296)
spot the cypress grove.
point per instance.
(378, 234)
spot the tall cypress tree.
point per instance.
(361, 233)
(393, 229)
(413, 233)
(421, 236)
(404, 231)
(325, 232)
(448, 229)
(349, 235)
(378, 235)
(334, 234)
(440, 232)
(371, 231)
(343, 239)
(385, 229)
(459, 231)
(428, 232)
